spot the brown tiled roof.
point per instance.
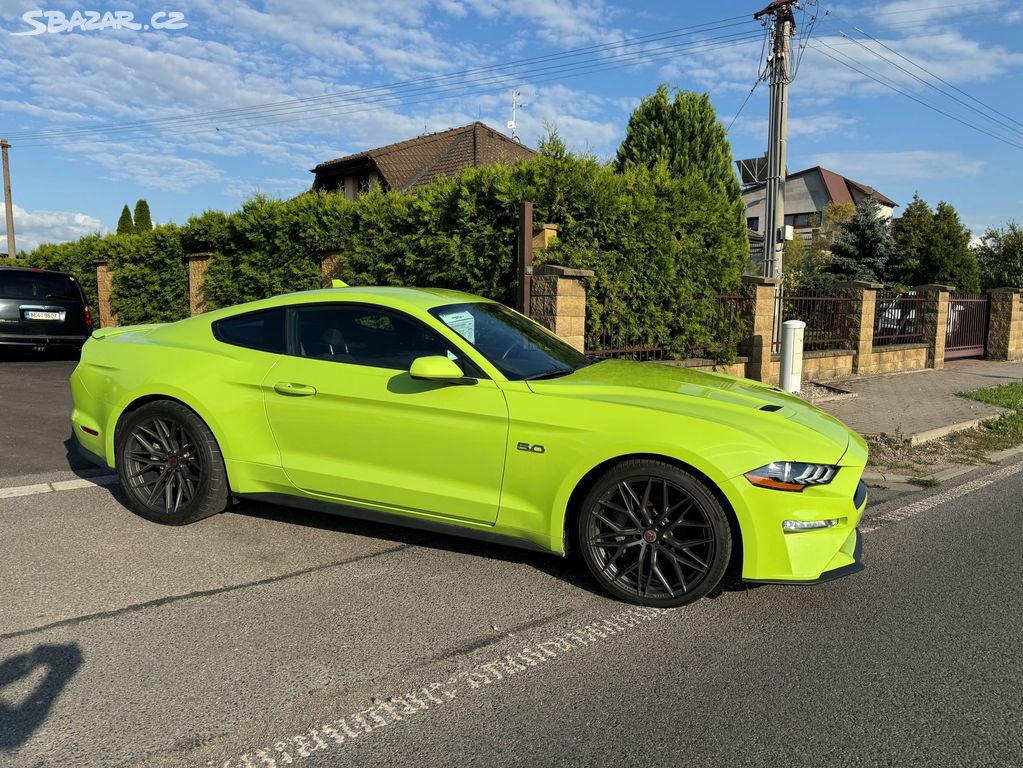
(408, 164)
(840, 189)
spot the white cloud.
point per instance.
(806, 126)
(32, 228)
(906, 167)
(913, 11)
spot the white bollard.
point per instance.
(792, 355)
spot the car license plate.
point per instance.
(35, 314)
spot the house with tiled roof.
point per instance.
(807, 193)
(406, 165)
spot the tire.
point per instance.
(170, 465)
(632, 549)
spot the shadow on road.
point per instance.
(569, 569)
(23, 711)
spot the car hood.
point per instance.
(741, 403)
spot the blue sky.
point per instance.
(235, 56)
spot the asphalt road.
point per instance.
(263, 637)
(35, 405)
(266, 637)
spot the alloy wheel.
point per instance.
(163, 466)
(650, 537)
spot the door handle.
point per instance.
(293, 389)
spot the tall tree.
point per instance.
(680, 137)
(912, 236)
(682, 131)
(947, 258)
(1000, 255)
(863, 248)
(143, 221)
(125, 225)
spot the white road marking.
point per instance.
(84, 482)
(873, 523)
(386, 712)
(60, 485)
(24, 490)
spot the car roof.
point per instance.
(35, 270)
(396, 297)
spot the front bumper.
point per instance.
(771, 555)
(831, 573)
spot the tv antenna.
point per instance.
(516, 105)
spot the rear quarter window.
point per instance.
(255, 330)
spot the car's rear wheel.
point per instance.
(653, 534)
(170, 464)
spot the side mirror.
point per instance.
(438, 368)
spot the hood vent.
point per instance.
(770, 408)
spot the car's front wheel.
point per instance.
(170, 465)
(653, 534)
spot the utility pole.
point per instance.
(782, 27)
(12, 251)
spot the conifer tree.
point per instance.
(143, 221)
(682, 132)
(863, 249)
(125, 225)
(911, 236)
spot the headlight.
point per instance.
(791, 475)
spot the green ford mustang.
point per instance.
(445, 411)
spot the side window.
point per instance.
(364, 335)
(256, 330)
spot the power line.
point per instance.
(932, 86)
(494, 82)
(941, 79)
(891, 87)
(744, 103)
(283, 106)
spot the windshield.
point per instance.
(515, 345)
(18, 284)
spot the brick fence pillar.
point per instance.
(934, 321)
(543, 236)
(762, 292)
(558, 301)
(330, 265)
(1005, 329)
(197, 263)
(104, 287)
(861, 321)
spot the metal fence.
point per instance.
(966, 334)
(727, 326)
(828, 320)
(898, 318)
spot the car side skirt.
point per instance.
(389, 518)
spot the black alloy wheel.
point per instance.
(170, 464)
(654, 535)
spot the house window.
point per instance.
(804, 220)
(753, 223)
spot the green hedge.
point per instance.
(660, 246)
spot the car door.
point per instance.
(351, 423)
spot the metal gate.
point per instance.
(967, 325)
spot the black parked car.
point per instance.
(41, 309)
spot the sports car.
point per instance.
(449, 412)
